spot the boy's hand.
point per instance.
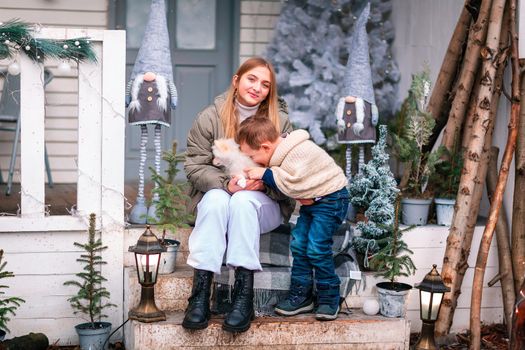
(305, 201)
(255, 173)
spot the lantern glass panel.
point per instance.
(147, 267)
(425, 304)
(436, 302)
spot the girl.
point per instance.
(230, 218)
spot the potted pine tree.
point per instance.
(9, 305)
(170, 197)
(91, 293)
(393, 261)
(411, 140)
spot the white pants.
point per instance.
(234, 222)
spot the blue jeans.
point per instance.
(312, 241)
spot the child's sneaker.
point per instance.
(299, 301)
(328, 301)
(326, 312)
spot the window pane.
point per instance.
(137, 13)
(196, 24)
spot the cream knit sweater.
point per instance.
(301, 169)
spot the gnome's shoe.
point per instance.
(152, 214)
(139, 212)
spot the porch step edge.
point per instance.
(356, 330)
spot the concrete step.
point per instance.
(353, 331)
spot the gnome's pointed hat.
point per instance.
(154, 53)
(358, 75)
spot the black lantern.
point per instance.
(147, 258)
(431, 291)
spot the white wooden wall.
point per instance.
(258, 19)
(39, 249)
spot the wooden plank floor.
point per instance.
(60, 199)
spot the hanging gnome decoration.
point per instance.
(356, 111)
(150, 95)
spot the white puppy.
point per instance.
(226, 153)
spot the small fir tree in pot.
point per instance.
(374, 190)
(90, 295)
(171, 206)
(393, 261)
(9, 305)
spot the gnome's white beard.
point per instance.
(339, 111)
(359, 116)
(137, 82)
(162, 88)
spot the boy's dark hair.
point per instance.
(255, 130)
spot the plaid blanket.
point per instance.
(274, 247)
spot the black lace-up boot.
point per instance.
(242, 313)
(198, 313)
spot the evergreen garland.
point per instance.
(7, 305)
(16, 36)
(88, 299)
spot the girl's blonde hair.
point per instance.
(269, 107)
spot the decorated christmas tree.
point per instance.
(374, 191)
(310, 50)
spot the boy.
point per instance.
(302, 170)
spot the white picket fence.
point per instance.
(39, 248)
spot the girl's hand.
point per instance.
(255, 173)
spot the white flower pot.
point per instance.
(415, 211)
(393, 298)
(444, 210)
(168, 259)
(93, 339)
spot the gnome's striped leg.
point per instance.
(142, 162)
(152, 211)
(361, 157)
(139, 211)
(350, 215)
(158, 152)
(348, 169)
